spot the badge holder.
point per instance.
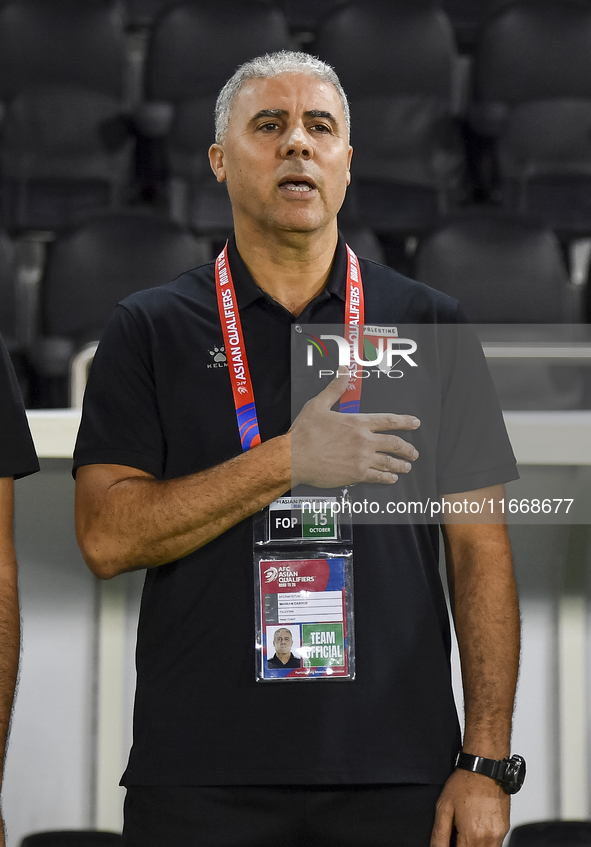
(303, 562)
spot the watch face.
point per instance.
(514, 774)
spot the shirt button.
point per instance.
(298, 328)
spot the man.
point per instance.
(283, 658)
(17, 459)
(166, 481)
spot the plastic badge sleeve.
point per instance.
(303, 570)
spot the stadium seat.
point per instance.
(64, 152)
(89, 269)
(467, 16)
(73, 838)
(305, 16)
(510, 271)
(61, 42)
(64, 148)
(532, 88)
(142, 13)
(552, 834)
(185, 70)
(396, 62)
(544, 156)
(502, 269)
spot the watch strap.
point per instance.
(478, 764)
(508, 772)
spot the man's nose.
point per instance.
(295, 142)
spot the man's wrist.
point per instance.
(508, 772)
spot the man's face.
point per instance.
(282, 642)
(286, 155)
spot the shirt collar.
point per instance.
(247, 291)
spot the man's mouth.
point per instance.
(302, 186)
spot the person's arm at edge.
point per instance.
(486, 614)
(9, 620)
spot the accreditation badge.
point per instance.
(303, 561)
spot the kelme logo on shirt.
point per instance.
(220, 360)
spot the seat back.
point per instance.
(545, 163)
(61, 42)
(93, 266)
(533, 49)
(503, 270)
(64, 151)
(196, 46)
(510, 271)
(142, 13)
(393, 48)
(467, 16)
(308, 15)
(552, 834)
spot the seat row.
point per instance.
(306, 16)
(523, 139)
(502, 269)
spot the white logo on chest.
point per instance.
(220, 359)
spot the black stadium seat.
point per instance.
(194, 48)
(93, 266)
(307, 15)
(544, 156)
(552, 834)
(65, 148)
(503, 270)
(467, 16)
(532, 88)
(61, 42)
(510, 271)
(64, 152)
(396, 62)
(142, 13)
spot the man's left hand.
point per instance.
(476, 807)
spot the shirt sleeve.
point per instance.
(17, 453)
(474, 449)
(121, 421)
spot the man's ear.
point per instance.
(349, 165)
(216, 160)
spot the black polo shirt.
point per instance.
(159, 399)
(276, 663)
(17, 453)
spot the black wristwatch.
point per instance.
(509, 772)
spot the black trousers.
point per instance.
(280, 816)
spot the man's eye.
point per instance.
(321, 127)
(269, 127)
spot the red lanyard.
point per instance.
(246, 415)
(354, 321)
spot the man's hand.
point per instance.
(475, 807)
(330, 449)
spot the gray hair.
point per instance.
(270, 65)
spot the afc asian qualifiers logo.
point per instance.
(382, 351)
(271, 574)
